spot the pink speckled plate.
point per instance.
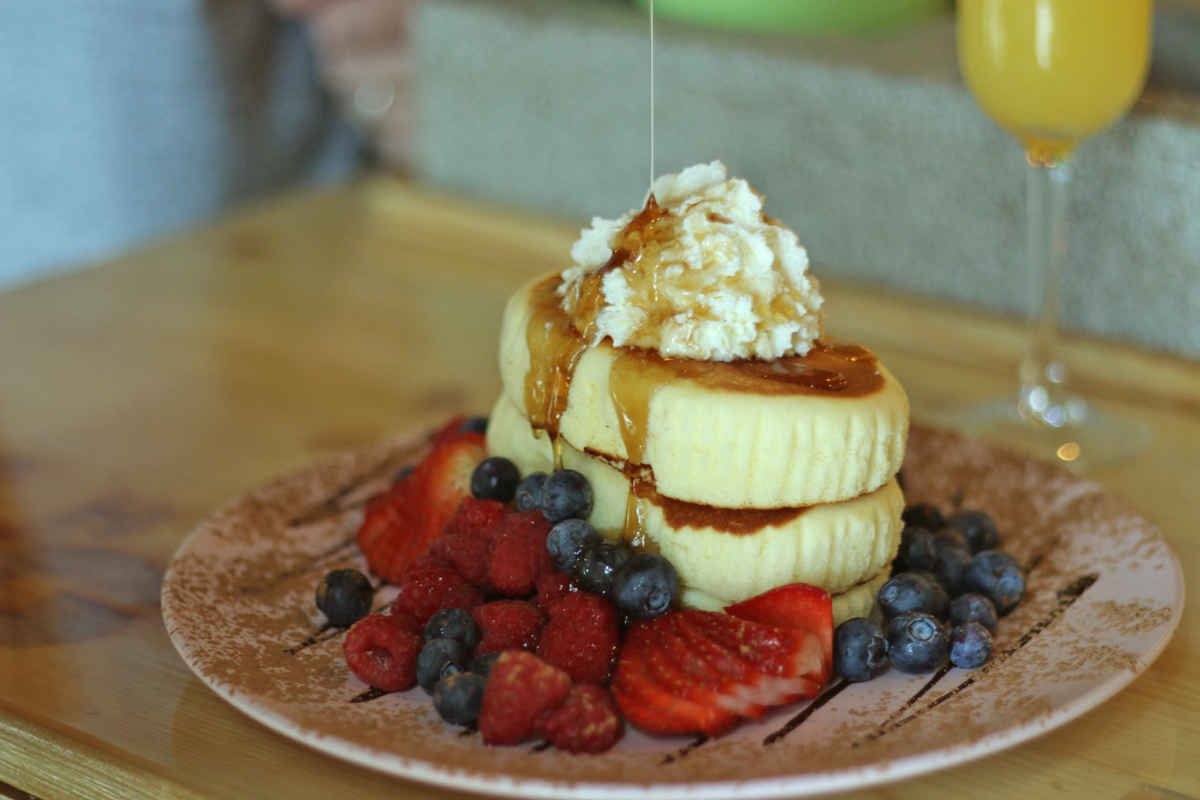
(1105, 594)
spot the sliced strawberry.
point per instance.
(738, 648)
(800, 606)
(400, 524)
(679, 671)
(654, 709)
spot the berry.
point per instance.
(939, 604)
(476, 517)
(554, 586)
(978, 529)
(382, 651)
(917, 642)
(970, 645)
(997, 575)
(458, 697)
(859, 649)
(428, 585)
(916, 549)
(566, 494)
(586, 721)
(482, 665)
(948, 538)
(470, 554)
(567, 541)
(922, 515)
(399, 524)
(952, 568)
(475, 425)
(344, 597)
(645, 585)
(495, 478)
(509, 625)
(797, 605)
(597, 564)
(582, 637)
(520, 689)
(529, 492)
(456, 624)
(908, 591)
(437, 659)
(519, 555)
(973, 608)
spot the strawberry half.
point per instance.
(653, 708)
(401, 523)
(800, 606)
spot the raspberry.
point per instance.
(520, 689)
(554, 586)
(509, 625)
(428, 585)
(586, 721)
(469, 553)
(478, 517)
(382, 651)
(519, 554)
(582, 637)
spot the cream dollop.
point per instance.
(712, 279)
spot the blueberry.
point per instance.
(947, 539)
(495, 478)
(597, 564)
(344, 597)
(568, 539)
(566, 494)
(474, 425)
(459, 697)
(916, 549)
(916, 642)
(529, 491)
(645, 586)
(456, 624)
(403, 473)
(997, 575)
(922, 515)
(908, 591)
(437, 659)
(482, 665)
(859, 649)
(978, 529)
(973, 608)
(951, 569)
(970, 645)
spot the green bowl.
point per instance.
(814, 17)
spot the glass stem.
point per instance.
(1041, 374)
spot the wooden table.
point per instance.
(136, 397)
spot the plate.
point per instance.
(1105, 592)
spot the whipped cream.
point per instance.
(711, 279)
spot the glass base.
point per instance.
(1083, 442)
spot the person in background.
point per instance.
(123, 121)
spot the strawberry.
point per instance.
(586, 721)
(681, 668)
(653, 708)
(520, 688)
(776, 665)
(798, 605)
(399, 525)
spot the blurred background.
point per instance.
(124, 122)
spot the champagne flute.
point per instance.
(1053, 73)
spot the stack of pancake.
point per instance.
(747, 475)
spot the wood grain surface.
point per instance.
(137, 397)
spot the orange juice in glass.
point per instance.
(1053, 73)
